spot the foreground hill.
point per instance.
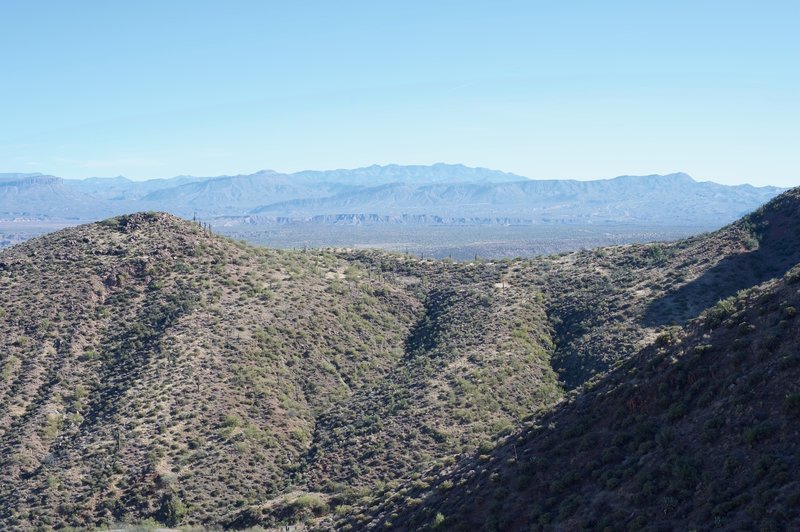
(607, 303)
(153, 372)
(149, 368)
(697, 431)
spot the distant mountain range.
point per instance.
(393, 194)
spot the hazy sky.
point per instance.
(546, 89)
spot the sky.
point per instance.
(558, 89)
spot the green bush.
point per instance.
(719, 312)
(172, 510)
(310, 502)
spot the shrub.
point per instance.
(310, 502)
(231, 421)
(792, 404)
(172, 510)
(719, 312)
(666, 338)
(343, 509)
(53, 425)
(485, 446)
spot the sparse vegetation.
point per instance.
(152, 372)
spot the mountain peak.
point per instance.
(680, 176)
(146, 218)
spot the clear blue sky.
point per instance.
(546, 89)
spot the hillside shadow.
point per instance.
(778, 252)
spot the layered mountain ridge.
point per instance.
(437, 193)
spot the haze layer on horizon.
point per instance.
(541, 89)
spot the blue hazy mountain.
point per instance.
(662, 199)
(408, 174)
(45, 196)
(123, 189)
(440, 191)
(230, 195)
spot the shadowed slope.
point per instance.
(607, 303)
(696, 432)
(770, 245)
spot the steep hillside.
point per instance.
(476, 363)
(698, 431)
(607, 303)
(153, 371)
(149, 368)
